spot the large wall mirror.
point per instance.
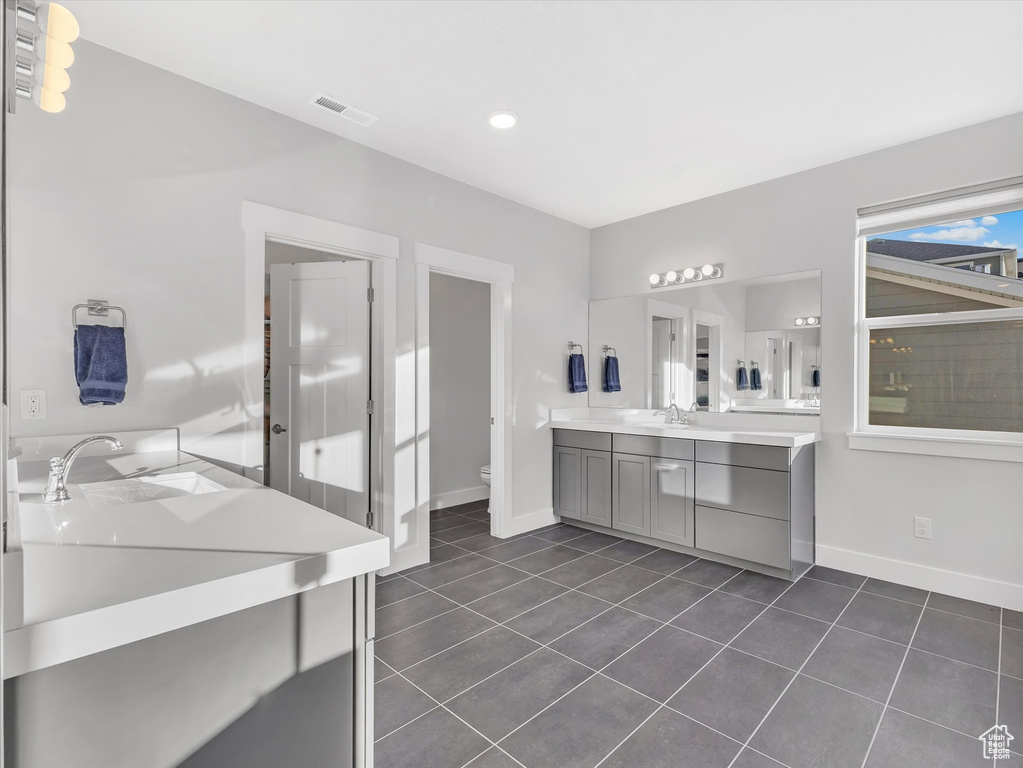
(715, 346)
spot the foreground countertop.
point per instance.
(88, 578)
(752, 436)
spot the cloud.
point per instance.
(989, 221)
(997, 244)
(960, 232)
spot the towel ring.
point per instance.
(606, 348)
(98, 308)
(742, 363)
(754, 364)
(572, 345)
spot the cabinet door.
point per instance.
(630, 499)
(672, 500)
(596, 487)
(568, 472)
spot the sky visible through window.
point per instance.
(1004, 230)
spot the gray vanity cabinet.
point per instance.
(630, 505)
(582, 476)
(568, 475)
(672, 500)
(596, 487)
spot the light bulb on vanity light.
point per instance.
(655, 280)
(709, 270)
(57, 22)
(53, 78)
(54, 53)
(691, 274)
(48, 100)
(800, 321)
(811, 321)
(671, 276)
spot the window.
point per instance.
(941, 329)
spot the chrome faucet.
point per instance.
(56, 485)
(674, 415)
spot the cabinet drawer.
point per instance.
(665, 447)
(749, 537)
(577, 438)
(742, 455)
(741, 489)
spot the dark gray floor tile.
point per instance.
(397, 589)
(621, 584)
(1012, 619)
(578, 572)
(666, 599)
(946, 692)
(436, 740)
(546, 559)
(756, 586)
(752, 759)
(440, 514)
(562, 614)
(498, 706)
(388, 577)
(628, 551)
(834, 576)
(406, 613)
(582, 728)
(509, 603)
(979, 611)
(493, 758)
(959, 638)
(664, 561)
(668, 740)
(904, 741)
(784, 638)
(381, 671)
(423, 640)
(719, 616)
(592, 542)
(516, 548)
(452, 570)
(481, 542)
(816, 599)
(708, 573)
(439, 554)
(561, 533)
(467, 531)
(451, 522)
(482, 515)
(464, 665)
(1010, 707)
(1012, 653)
(482, 584)
(600, 641)
(816, 725)
(896, 591)
(662, 663)
(860, 663)
(882, 617)
(397, 702)
(733, 693)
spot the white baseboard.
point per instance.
(963, 585)
(454, 498)
(529, 522)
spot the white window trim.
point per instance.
(998, 197)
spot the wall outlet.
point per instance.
(922, 527)
(33, 403)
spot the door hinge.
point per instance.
(369, 407)
(369, 520)
(672, 337)
(369, 295)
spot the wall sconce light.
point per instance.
(687, 275)
(42, 53)
(802, 322)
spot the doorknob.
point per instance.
(277, 429)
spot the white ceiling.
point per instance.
(625, 107)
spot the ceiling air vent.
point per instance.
(346, 111)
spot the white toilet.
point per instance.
(485, 477)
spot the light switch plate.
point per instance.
(33, 403)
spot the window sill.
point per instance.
(952, 447)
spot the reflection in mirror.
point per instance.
(662, 389)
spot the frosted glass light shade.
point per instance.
(47, 100)
(54, 79)
(58, 22)
(54, 52)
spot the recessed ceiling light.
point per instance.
(502, 119)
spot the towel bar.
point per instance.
(98, 308)
(572, 345)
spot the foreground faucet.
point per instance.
(56, 485)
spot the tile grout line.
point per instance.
(798, 671)
(998, 683)
(895, 682)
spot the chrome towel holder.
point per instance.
(609, 347)
(98, 308)
(572, 345)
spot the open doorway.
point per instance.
(460, 403)
(318, 379)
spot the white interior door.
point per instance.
(320, 385)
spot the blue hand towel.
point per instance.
(576, 373)
(815, 378)
(742, 379)
(101, 364)
(612, 382)
(754, 380)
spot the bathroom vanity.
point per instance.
(739, 496)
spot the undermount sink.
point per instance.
(664, 425)
(138, 489)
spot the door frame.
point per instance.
(262, 223)
(716, 323)
(682, 368)
(500, 276)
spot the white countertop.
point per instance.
(721, 434)
(93, 578)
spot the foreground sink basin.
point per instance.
(663, 425)
(138, 489)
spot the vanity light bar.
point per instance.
(687, 275)
(811, 321)
(42, 53)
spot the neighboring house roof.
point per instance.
(995, 289)
(909, 249)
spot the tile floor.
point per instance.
(570, 649)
